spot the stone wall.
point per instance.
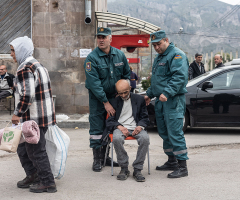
(59, 31)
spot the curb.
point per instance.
(73, 124)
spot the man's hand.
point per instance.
(124, 130)
(108, 107)
(148, 100)
(137, 130)
(162, 98)
(15, 119)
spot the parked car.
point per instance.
(213, 99)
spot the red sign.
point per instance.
(124, 41)
(133, 60)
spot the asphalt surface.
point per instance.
(213, 171)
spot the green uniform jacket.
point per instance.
(169, 73)
(103, 71)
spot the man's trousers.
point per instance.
(122, 156)
(169, 117)
(33, 157)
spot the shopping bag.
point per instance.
(57, 143)
(10, 139)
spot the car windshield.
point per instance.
(202, 77)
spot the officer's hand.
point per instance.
(137, 130)
(124, 130)
(162, 98)
(148, 100)
(108, 107)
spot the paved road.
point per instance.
(213, 171)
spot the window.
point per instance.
(15, 21)
(228, 80)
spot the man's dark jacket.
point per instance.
(139, 111)
(194, 70)
(220, 65)
(10, 78)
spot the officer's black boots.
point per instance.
(97, 164)
(171, 164)
(108, 160)
(181, 171)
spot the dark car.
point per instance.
(213, 99)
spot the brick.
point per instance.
(80, 89)
(82, 109)
(42, 53)
(62, 87)
(57, 18)
(70, 77)
(58, 29)
(74, 64)
(59, 53)
(58, 65)
(40, 6)
(75, 6)
(81, 100)
(66, 109)
(38, 18)
(82, 77)
(63, 99)
(73, 17)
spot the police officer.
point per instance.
(104, 66)
(168, 85)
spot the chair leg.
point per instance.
(10, 106)
(105, 158)
(148, 161)
(112, 159)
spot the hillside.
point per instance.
(196, 17)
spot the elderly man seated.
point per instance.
(6, 82)
(131, 119)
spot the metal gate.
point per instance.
(15, 21)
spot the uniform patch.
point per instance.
(88, 66)
(101, 29)
(161, 64)
(119, 64)
(177, 57)
(153, 37)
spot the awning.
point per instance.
(126, 21)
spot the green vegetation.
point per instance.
(146, 84)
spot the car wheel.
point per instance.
(185, 121)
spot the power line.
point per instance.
(213, 36)
(214, 24)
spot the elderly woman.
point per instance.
(33, 98)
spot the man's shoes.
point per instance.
(137, 175)
(178, 173)
(39, 188)
(168, 166)
(97, 162)
(181, 171)
(123, 175)
(108, 162)
(29, 180)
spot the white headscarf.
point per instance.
(23, 47)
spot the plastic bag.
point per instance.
(61, 117)
(57, 143)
